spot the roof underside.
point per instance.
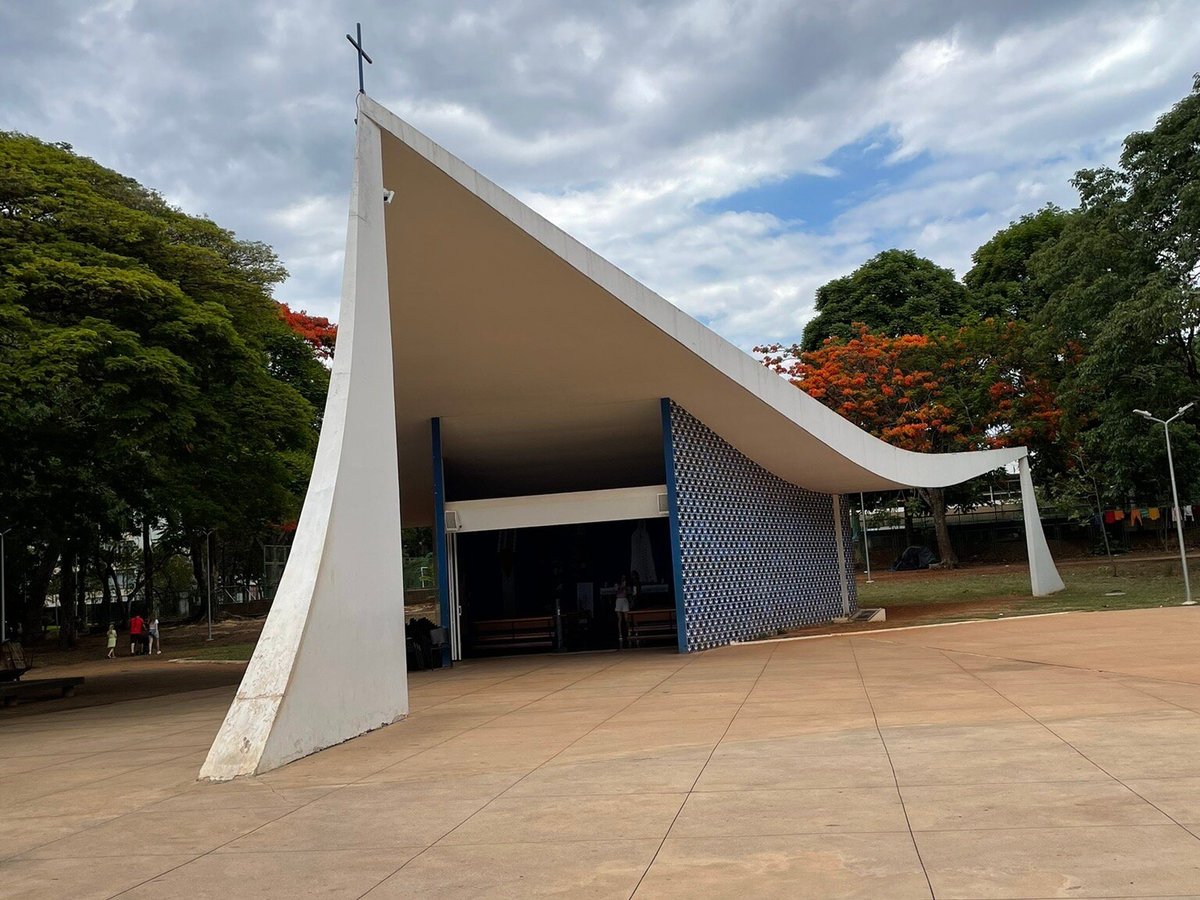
(546, 363)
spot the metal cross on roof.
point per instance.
(362, 54)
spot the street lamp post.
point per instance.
(208, 576)
(862, 513)
(1165, 423)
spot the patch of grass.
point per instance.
(237, 652)
(1141, 585)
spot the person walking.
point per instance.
(112, 641)
(137, 625)
(155, 641)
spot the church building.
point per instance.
(600, 470)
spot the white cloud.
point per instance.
(624, 122)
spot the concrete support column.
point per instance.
(330, 663)
(839, 540)
(1043, 574)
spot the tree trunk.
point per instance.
(106, 614)
(81, 589)
(936, 498)
(66, 600)
(148, 565)
(111, 573)
(196, 549)
(909, 540)
(36, 588)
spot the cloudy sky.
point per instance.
(732, 154)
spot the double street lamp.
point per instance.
(1165, 423)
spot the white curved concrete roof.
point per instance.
(515, 334)
(543, 362)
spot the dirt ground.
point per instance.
(904, 616)
(133, 677)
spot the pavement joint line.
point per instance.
(211, 850)
(137, 811)
(483, 724)
(700, 774)
(1105, 827)
(1109, 676)
(867, 632)
(1033, 662)
(895, 779)
(598, 840)
(445, 740)
(145, 808)
(685, 837)
(491, 800)
(1091, 761)
(105, 777)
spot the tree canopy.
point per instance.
(146, 373)
(1066, 322)
(894, 293)
(953, 389)
(1000, 281)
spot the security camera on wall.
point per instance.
(389, 196)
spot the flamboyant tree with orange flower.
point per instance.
(968, 388)
(318, 331)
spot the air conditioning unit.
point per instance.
(663, 506)
(452, 522)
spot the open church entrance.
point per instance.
(541, 511)
(565, 588)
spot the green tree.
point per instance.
(1121, 307)
(146, 374)
(1000, 281)
(894, 293)
(955, 389)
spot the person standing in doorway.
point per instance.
(112, 641)
(155, 641)
(137, 625)
(622, 607)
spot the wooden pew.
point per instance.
(514, 634)
(650, 624)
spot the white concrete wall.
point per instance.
(615, 505)
(331, 664)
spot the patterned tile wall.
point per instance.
(758, 553)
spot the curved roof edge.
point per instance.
(877, 459)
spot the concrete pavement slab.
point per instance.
(1129, 861)
(1015, 805)
(523, 819)
(812, 811)
(848, 866)
(589, 870)
(279, 875)
(786, 769)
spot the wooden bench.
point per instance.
(13, 662)
(650, 624)
(503, 634)
(11, 691)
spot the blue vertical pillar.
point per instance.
(673, 519)
(439, 534)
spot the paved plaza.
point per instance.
(1044, 757)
